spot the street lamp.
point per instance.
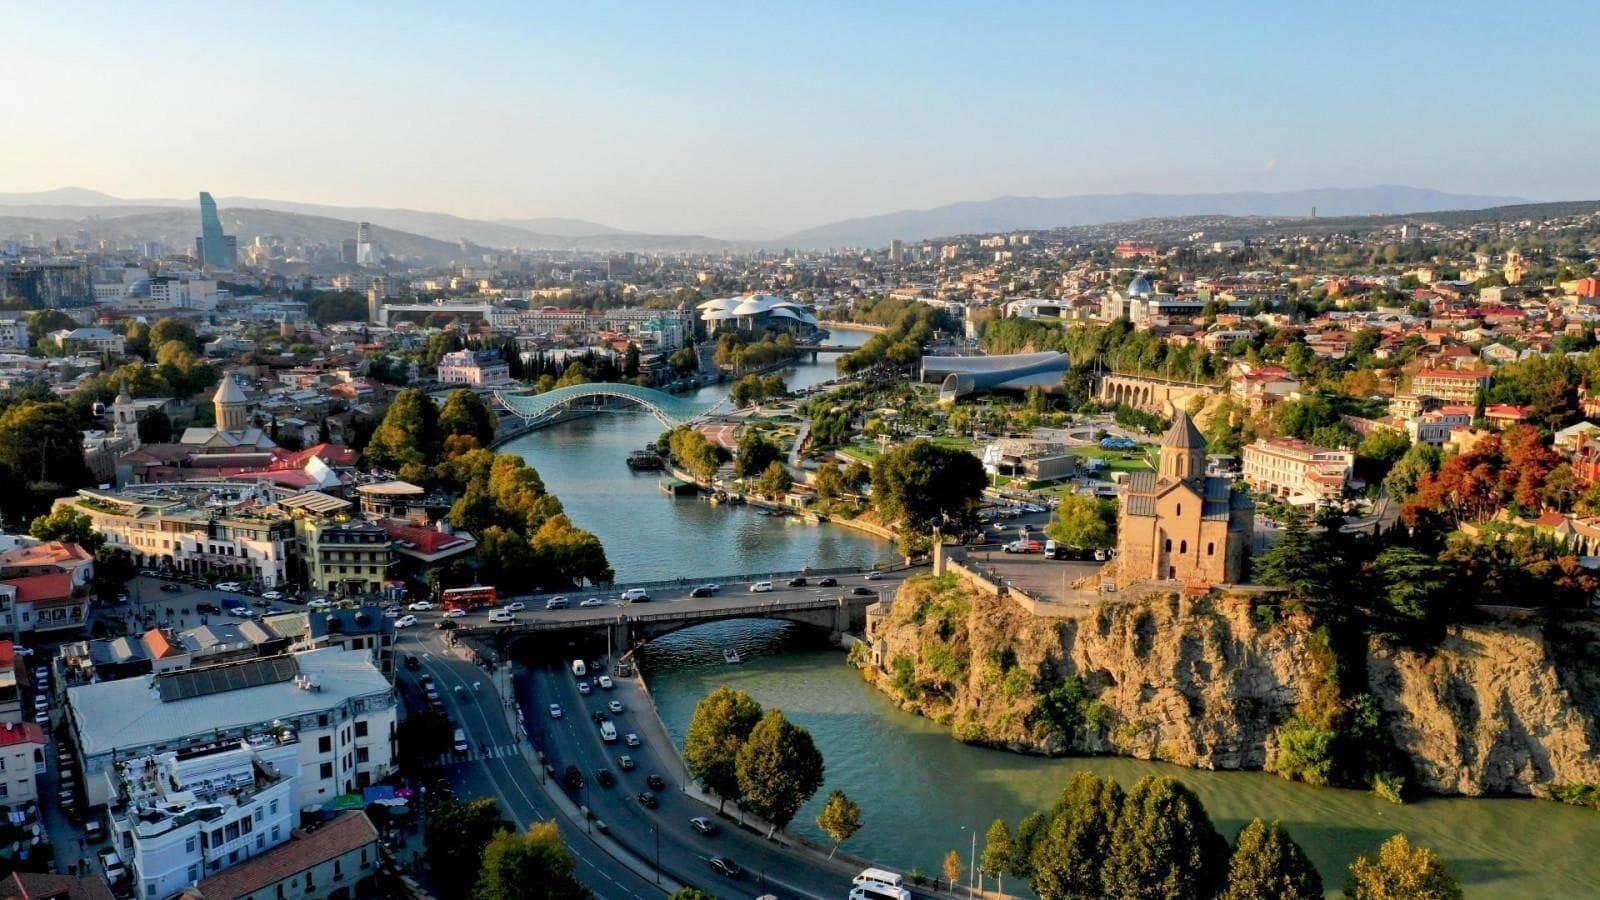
(657, 830)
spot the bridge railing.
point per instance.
(690, 583)
(677, 615)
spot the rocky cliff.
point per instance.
(1207, 681)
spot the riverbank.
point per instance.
(853, 326)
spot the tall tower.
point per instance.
(366, 253)
(125, 416)
(231, 406)
(1183, 450)
(215, 249)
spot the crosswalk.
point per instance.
(478, 754)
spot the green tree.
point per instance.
(168, 329)
(571, 552)
(409, 433)
(840, 818)
(1378, 452)
(996, 859)
(775, 481)
(779, 768)
(1030, 834)
(755, 453)
(918, 481)
(689, 893)
(530, 866)
(1267, 862)
(829, 481)
(1417, 592)
(155, 428)
(1070, 857)
(1301, 562)
(1083, 522)
(466, 413)
(67, 524)
(1402, 871)
(457, 833)
(43, 444)
(722, 723)
(1164, 845)
(1407, 473)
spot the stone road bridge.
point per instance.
(631, 625)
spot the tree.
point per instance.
(64, 523)
(1267, 862)
(1300, 561)
(409, 433)
(1402, 871)
(422, 738)
(1164, 845)
(775, 481)
(457, 833)
(996, 859)
(1416, 589)
(465, 413)
(1070, 856)
(755, 453)
(722, 723)
(530, 866)
(1084, 522)
(1379, 451)
(917, 481)
(952, 868)
(779, 768)
(829, 481)
(689, 893)
(42, 443)
(840, 818)
(155, 428)
(1404, 476)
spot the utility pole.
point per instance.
(972, 862)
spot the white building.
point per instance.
(181, 816)
(14, 334)
(1295, 470)
(21, 762)
(337, 702)
(473, 367)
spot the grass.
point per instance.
(1114, 458)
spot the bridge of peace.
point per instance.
(535, 409)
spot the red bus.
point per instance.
(470, 598)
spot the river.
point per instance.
(918, 788)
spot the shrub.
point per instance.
(1305, 752)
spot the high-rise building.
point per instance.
(897, 252)
(366, 251)
(213, 249)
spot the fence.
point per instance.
(690, 583)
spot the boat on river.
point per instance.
(732, 657)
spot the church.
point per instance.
(1178, 524)
(234, 429)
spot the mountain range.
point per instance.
(432, 234)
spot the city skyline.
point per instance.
(753, 123)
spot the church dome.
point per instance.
(1139, 286)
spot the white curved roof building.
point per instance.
(754, 311)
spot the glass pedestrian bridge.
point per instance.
(670, 409)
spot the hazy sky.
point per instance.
(752, 119)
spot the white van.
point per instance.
(579, 669)
(636, 595)
(879, 876)
(500, 616)
(608, 732)
(461, 741)
(872, 890)
(761, 587)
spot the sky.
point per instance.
(756, 119)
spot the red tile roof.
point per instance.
(160, 645)
(8, 656)
(12, 734)
(427, 540)
(303, 851)
(44, 886)
(40, 588)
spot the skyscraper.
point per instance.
(366, 253)
(213, 249)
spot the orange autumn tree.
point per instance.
(1499, 471)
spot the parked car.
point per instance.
(703, 825)
(272, 595)
(572, 778)
(170, 588)
(441, 625)
(208, 609)
(229, 586)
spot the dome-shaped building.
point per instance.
(754, 312)
(1140, 286)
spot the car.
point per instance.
(632, 740)
(392, 611)
(41, 674)
(725, 867)
(592, 602)
(441, 625)
(655, 782)
(111, 863)
(703, 825)
(604, 777)
(421, 606)
(615, 706)
(573, 778)
(635, 595)
(862, 590)
(830, 581)
(272, 595)
(605, 682)
(704, 590)
(405, 621)
(412, 664)
(797, 582)
(1016, 547)
(874, 576)
(318, 603)
(455, 614)
(600, 716)
(555, 711)
(648, 800)
(460, 744)
(229, 586)
(761, 587)
(518, 605)
(170, 588)
(584, 688)
(625, 763)
(243, 612)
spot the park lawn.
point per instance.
(1114, 458)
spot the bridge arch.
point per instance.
(670, 409)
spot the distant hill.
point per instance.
(559, 226)
(1037, 213)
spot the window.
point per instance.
(1180, 509)
(1211, 548)
(216, 836)
(188, 845)
(327, 770)
(258, 814)
(261, 841)
(246, 826)
(273, 807)
(232, 830)
(361, 728)
(1167, 545)
(325, 744)
(275, 834)
(194, 874)
(361, 755)
(1183, 546)
(4, 791)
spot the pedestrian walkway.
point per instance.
(477, 754)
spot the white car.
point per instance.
(272, 595)
(593, 601)
(243, 612)
(615, 706)
(318, 603)
(605, 682)
(761, 587)
(421, 606)
(516, 606)
(405, 621)
(455, 613)
(584, 688)
(230, 586)
(555, 710)
(632, 740)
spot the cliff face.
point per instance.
(1205, 683)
